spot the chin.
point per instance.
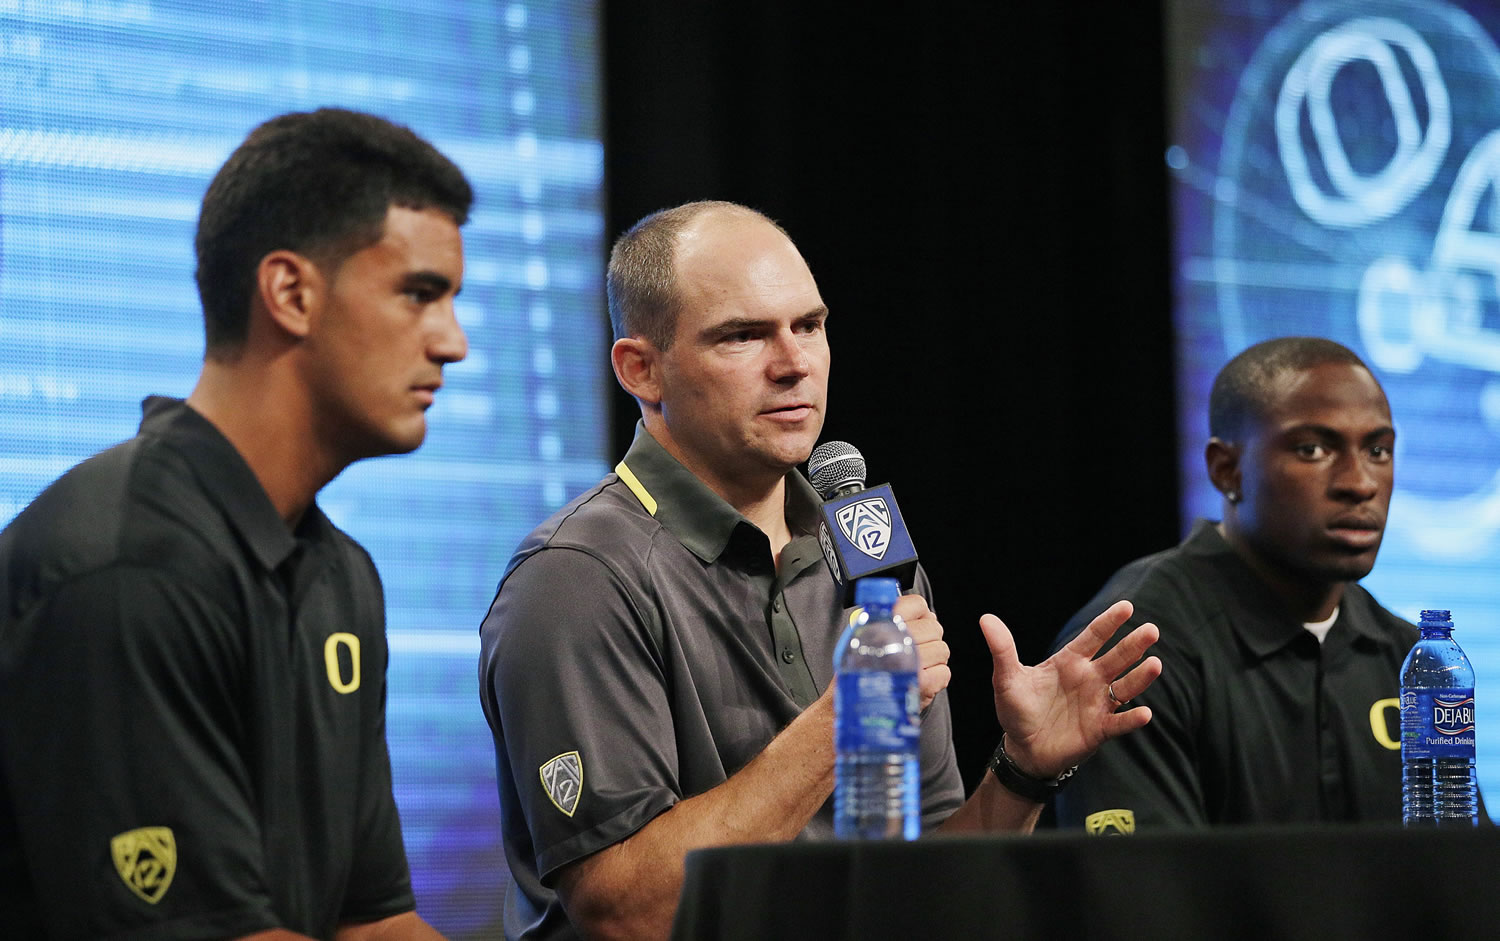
(1351, 568)
(790, 459)
(399, 441)
(798, 452)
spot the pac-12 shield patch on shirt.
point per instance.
(146, 859)
(562, 779)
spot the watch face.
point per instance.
(1334, 172)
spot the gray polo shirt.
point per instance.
(643, 646)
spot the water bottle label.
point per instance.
(877, 710)
(1437, 723)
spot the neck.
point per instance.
(759, 497)
(763, 505)
(270, 426)
(1306, 599)
(769, 516)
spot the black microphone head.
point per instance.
(834, 467)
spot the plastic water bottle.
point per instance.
(1437, 730)
(876, 703)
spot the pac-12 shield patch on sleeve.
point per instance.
(146, 859)
(562, 779)
(1118, 822)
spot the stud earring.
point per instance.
(1233, 496)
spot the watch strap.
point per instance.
(1021, 784)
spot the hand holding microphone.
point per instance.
(866, 527)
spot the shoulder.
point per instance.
(1167, 579)
(135, 509)
(595, 551)
(1367, 612)
(352, 553)
(579, 589)
(605, 524)
(75, 523)
(1172, 589)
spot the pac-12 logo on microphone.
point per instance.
(867, 524)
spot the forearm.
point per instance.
(404, 927)
(992, 808)
(630, 889)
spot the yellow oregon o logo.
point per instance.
(331, 660)
(1377, 722)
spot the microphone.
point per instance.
(860, 530)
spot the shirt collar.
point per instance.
(1259, 619)
(1252, 611)
(700, 519)
(228, 480)
(1268, 626)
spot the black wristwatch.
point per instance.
(1021, 784)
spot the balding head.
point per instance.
(645, 293)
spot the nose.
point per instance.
(447, 343)
(789, 361)
(1355, 478)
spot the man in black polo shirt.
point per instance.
(192, 657)
(1278, 700)
(656, 663)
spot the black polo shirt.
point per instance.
(1252, 720)
(643, 646)
(192, 715)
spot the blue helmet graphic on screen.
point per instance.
(1356, 199)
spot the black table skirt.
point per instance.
(1275, 883)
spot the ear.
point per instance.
(1223, 461)
(289, 287)
(637, 364)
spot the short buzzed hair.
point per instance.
(642, 279)
(1242, 389)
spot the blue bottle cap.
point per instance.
(877, 591)
(1435, 615)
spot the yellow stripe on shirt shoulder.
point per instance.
(636, 487)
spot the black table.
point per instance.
(1249, 882)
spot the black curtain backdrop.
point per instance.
(980, 192)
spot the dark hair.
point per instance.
(1242, 389)
(642, 279)
(318, 183)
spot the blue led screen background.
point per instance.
(115, 115)
(1334, 170)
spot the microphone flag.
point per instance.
(863, 535)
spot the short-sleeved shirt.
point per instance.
(192, 730)
(644, 646)
(1252, 720)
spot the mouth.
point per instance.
(1359, 533)
(796, 412)
(427, 393)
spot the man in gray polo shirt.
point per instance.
(656, 663)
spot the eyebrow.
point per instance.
(430, 279)
(736, 324)
(1326, 432)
